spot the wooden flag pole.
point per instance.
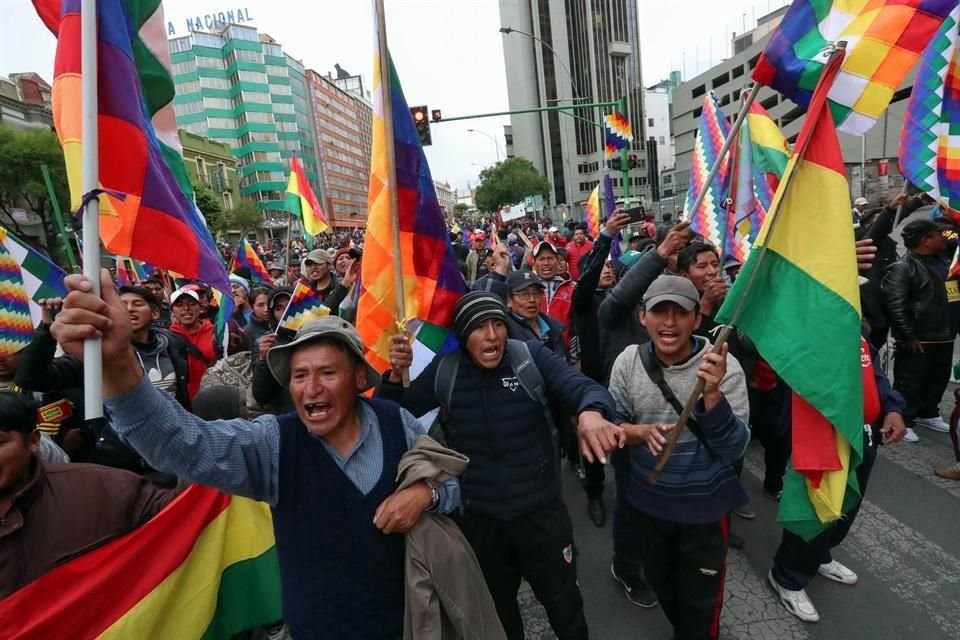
(724, 334)
(385, 76)
(90, 181)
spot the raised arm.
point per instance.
(236, 456)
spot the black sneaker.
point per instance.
(638, 593)
(735, 541)
(772, 494)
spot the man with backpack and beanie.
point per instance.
(495, 397)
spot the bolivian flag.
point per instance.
(204, 567)
(803, 313)
(301, 201)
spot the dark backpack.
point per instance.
(524, 368)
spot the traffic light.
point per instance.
(436, 116)
(615, 164)
(423, 125)
(634, 161)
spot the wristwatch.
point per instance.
(434, 498)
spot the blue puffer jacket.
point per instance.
(513, 466)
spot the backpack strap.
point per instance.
(529, 376)
(655, 372)
(194, 351)
(443, 383)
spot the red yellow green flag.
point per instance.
(301, 201)
(803, 314)
(204, 567)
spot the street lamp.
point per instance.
(495, 143)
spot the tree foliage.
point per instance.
(509, 182)
(244, 217)
(210, 205)
(461, 208)
(22, 153)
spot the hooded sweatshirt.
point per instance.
(156, 362)
(203, 338)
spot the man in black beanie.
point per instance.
(496, 395)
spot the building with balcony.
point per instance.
(561, 51)
(343, 128)
(238, 86)
(446, 196)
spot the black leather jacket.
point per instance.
(915, 298)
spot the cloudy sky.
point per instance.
(448, 53)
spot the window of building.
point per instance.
(202, 170)
(661, 140)
(281, 107)
(280, 89)
(720, 80)
(218, 103)
(242, 33)
(736, 72)
(274, 50)
(191, 86)
(180, 44)
(650, 122)
(222, 123)
(208, 40)
(211, 62)
(253, 76)
(256, 116)
(214, 83)
(183, 67)
(227, 200)
(187, 108)
(698, 91)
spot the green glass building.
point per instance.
(239, 87)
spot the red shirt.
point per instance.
(203, 338)
(574, 253)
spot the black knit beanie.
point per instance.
(474, 308)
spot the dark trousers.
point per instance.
(685, 565)
(537, 547)
(768, 423)
(921, 378)
(626, 535)
(954, 421)
(593, 478)
(796, 561)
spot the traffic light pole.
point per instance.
(533, 110)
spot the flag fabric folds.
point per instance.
(301, 201)
(759, 160)
(26, 277)
(591, 213)
(204, 567)
(616, 134)
(246, 256)
(884, 40)
(431, 281)
(803, 314)
(305, 304)
(140, 153)
(930, 139)
(710, 218)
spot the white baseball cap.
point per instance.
(183, 291)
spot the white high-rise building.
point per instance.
(561, 51)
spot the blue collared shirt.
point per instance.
(242, 457)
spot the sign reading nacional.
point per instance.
(212, 21)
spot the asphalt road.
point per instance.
(905, 546)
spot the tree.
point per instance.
(21, 181)
(210, 205)
(509, 182)
(243, 218)
(460, 209)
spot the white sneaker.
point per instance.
(911, 435)
(934, 424)
(796, 602)
(837, 572)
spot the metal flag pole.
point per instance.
(773, 217)
(385, 76)
(90, 181)
(745, 107)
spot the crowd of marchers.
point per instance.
(573, 350)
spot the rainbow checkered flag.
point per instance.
(710, 218)
(25, 278)
(930, 139)
(305, 304)
(884, 40)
